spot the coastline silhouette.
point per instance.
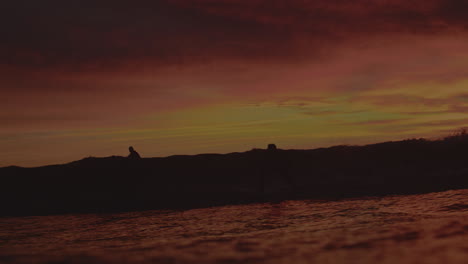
(133, 183)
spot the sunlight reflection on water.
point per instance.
(427, 228)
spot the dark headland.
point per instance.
(116, 183)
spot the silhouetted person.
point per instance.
(133, 154)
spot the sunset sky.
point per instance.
(90, 78)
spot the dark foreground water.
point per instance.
(428, 228)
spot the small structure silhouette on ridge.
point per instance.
(275, 164)
(272, 147)
(133, 154)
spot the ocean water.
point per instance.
(427, 228)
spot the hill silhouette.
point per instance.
(121, 183)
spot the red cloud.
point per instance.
(103, 35)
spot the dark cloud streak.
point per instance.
(102, 34)
(88, 37)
